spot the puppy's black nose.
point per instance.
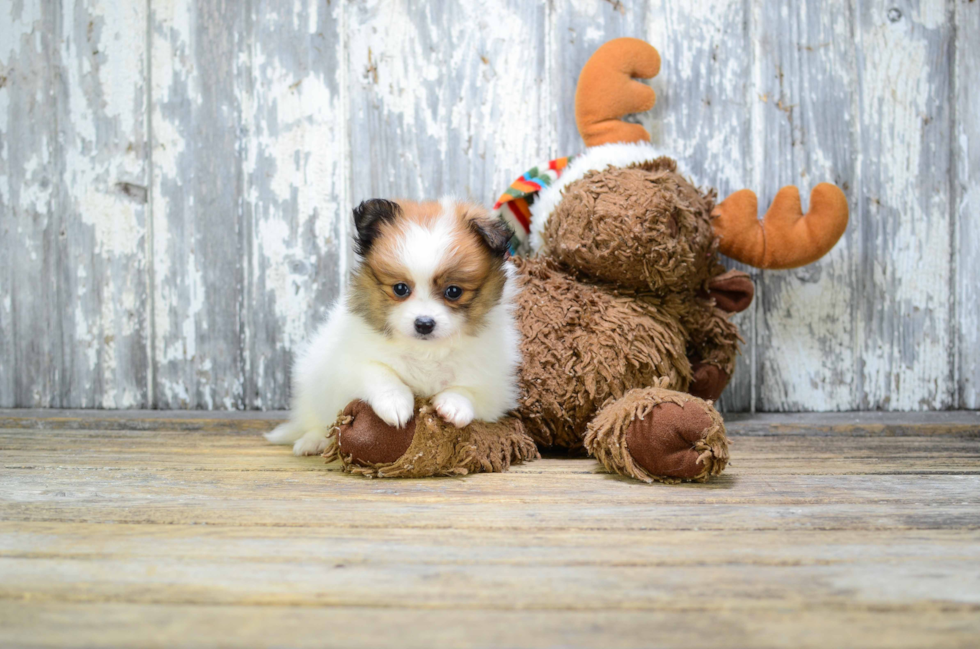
(424, 325)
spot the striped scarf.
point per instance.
(514, 206)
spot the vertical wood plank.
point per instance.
(578, 28)
(199, 81)
(31, 343)
(702, 116)
(446, 97)
(803, 108)
(902, 209)
(297, 202)
(73, 180)
(966, 187)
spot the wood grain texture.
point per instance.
(903, 286)
(73, 183)
(204, 536)
(200, 79)
(803, 134)
(426, 82)
(176, 177)
(966, 203)
(296, 199)
(124, 625)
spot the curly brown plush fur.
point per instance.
(585, 343)
(643, 226)
(620, 300)
(427, 446)
(657, 434)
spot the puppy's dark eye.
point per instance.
(453, 293)
(401, 289)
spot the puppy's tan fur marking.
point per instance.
(369, 298)
(472, 267)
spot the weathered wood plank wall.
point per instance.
(176, 175)
(966, 202)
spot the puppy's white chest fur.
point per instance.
(426, 376)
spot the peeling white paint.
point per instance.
(966, 195)
(805, 356)
(72, 77)
(114, 220)
(906, 355)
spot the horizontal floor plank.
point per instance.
(194, 450)
(495, 586)
(125, 625)
(549, 547)
(846, 423)
(409, 568)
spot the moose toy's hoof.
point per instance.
(664, 442)
(366, 439)
(426, 445)
(709, 381)
(659, 434)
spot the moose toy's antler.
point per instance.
(785, 237)
(607, 90)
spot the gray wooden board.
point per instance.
(176, 177)
(73, 178)
(446, 98)
(296, 197)
(966, 206)
(804, 80)
(902, 212)
(199, 78)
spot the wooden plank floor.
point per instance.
(162, 529)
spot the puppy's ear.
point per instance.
(494, 233)
(369, 216)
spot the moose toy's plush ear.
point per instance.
(733, 291)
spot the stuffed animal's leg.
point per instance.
(713, 348)
(659, 434)
(714, 339)
(426, 445)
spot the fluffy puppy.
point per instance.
(429, 312)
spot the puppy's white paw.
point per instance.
(312, 443)
(454, 408)
(395, 407)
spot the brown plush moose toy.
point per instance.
(625, 306)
